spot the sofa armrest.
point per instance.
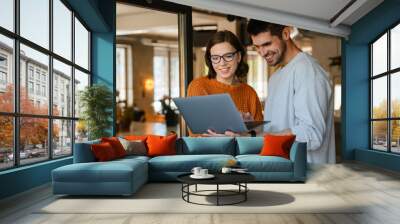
(83, 152)
(298, 155)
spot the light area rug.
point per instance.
(167, 198)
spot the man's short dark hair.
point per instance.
(254, 27)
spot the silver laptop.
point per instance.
(214, 112)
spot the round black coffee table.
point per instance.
(238, 179)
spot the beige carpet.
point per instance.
(166, 198)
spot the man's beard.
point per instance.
(282, 55)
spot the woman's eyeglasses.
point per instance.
(215, 59)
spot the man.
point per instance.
(300, 97)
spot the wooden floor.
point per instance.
(377, 188)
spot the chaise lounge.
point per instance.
(125, 176)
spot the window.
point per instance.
(62, 74)
(385, 94)
(3, 61)
(62, 29)
(43, 90)
(81, 45)
(38, 89)
(30, 72)
(37, 74)
(166, 75)
(7, 73)
(7, 14)
(256, 77)
(30, 87)
(3, 78)
(53, 125)
(34, 22)
(3, 72)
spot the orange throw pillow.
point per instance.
(136, 137)
(277, 145)
(103, 151)
(116, 145)
(161, 145)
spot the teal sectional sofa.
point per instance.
(125, 176)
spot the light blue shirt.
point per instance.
(300, 97)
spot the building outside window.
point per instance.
(385, 92)
(56, 130)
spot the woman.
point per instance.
(226, 69)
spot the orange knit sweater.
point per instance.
(243, 95)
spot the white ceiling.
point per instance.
(321, 9)
(314, 15)
(137, 20)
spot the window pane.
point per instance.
(379, 135)
(62, 29)
(395, 136)
(35, 21)
(6, 142)
(6, 74)
(174, 74)
(379, 55)
(62, 89)
(7, 14)
(81, 45)
(379, 97)
(395, 47)
(160, 74)
(121, 65)
(62, 138)
(33, 139)
(81, 81)
(81, 131)
(395, 94)
(34, 72)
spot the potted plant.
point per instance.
(96, 103)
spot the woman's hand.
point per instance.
(247, 116)
(211, 133)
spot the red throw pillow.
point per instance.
(161, 145)
(103, 152)
(116, 145)
(277, 145)
(136, 137)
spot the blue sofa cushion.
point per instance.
(83, 153)
(111, 171)
(209, 145)
(134, 157)
(185, 163)
(249, 145)
(257, 163)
